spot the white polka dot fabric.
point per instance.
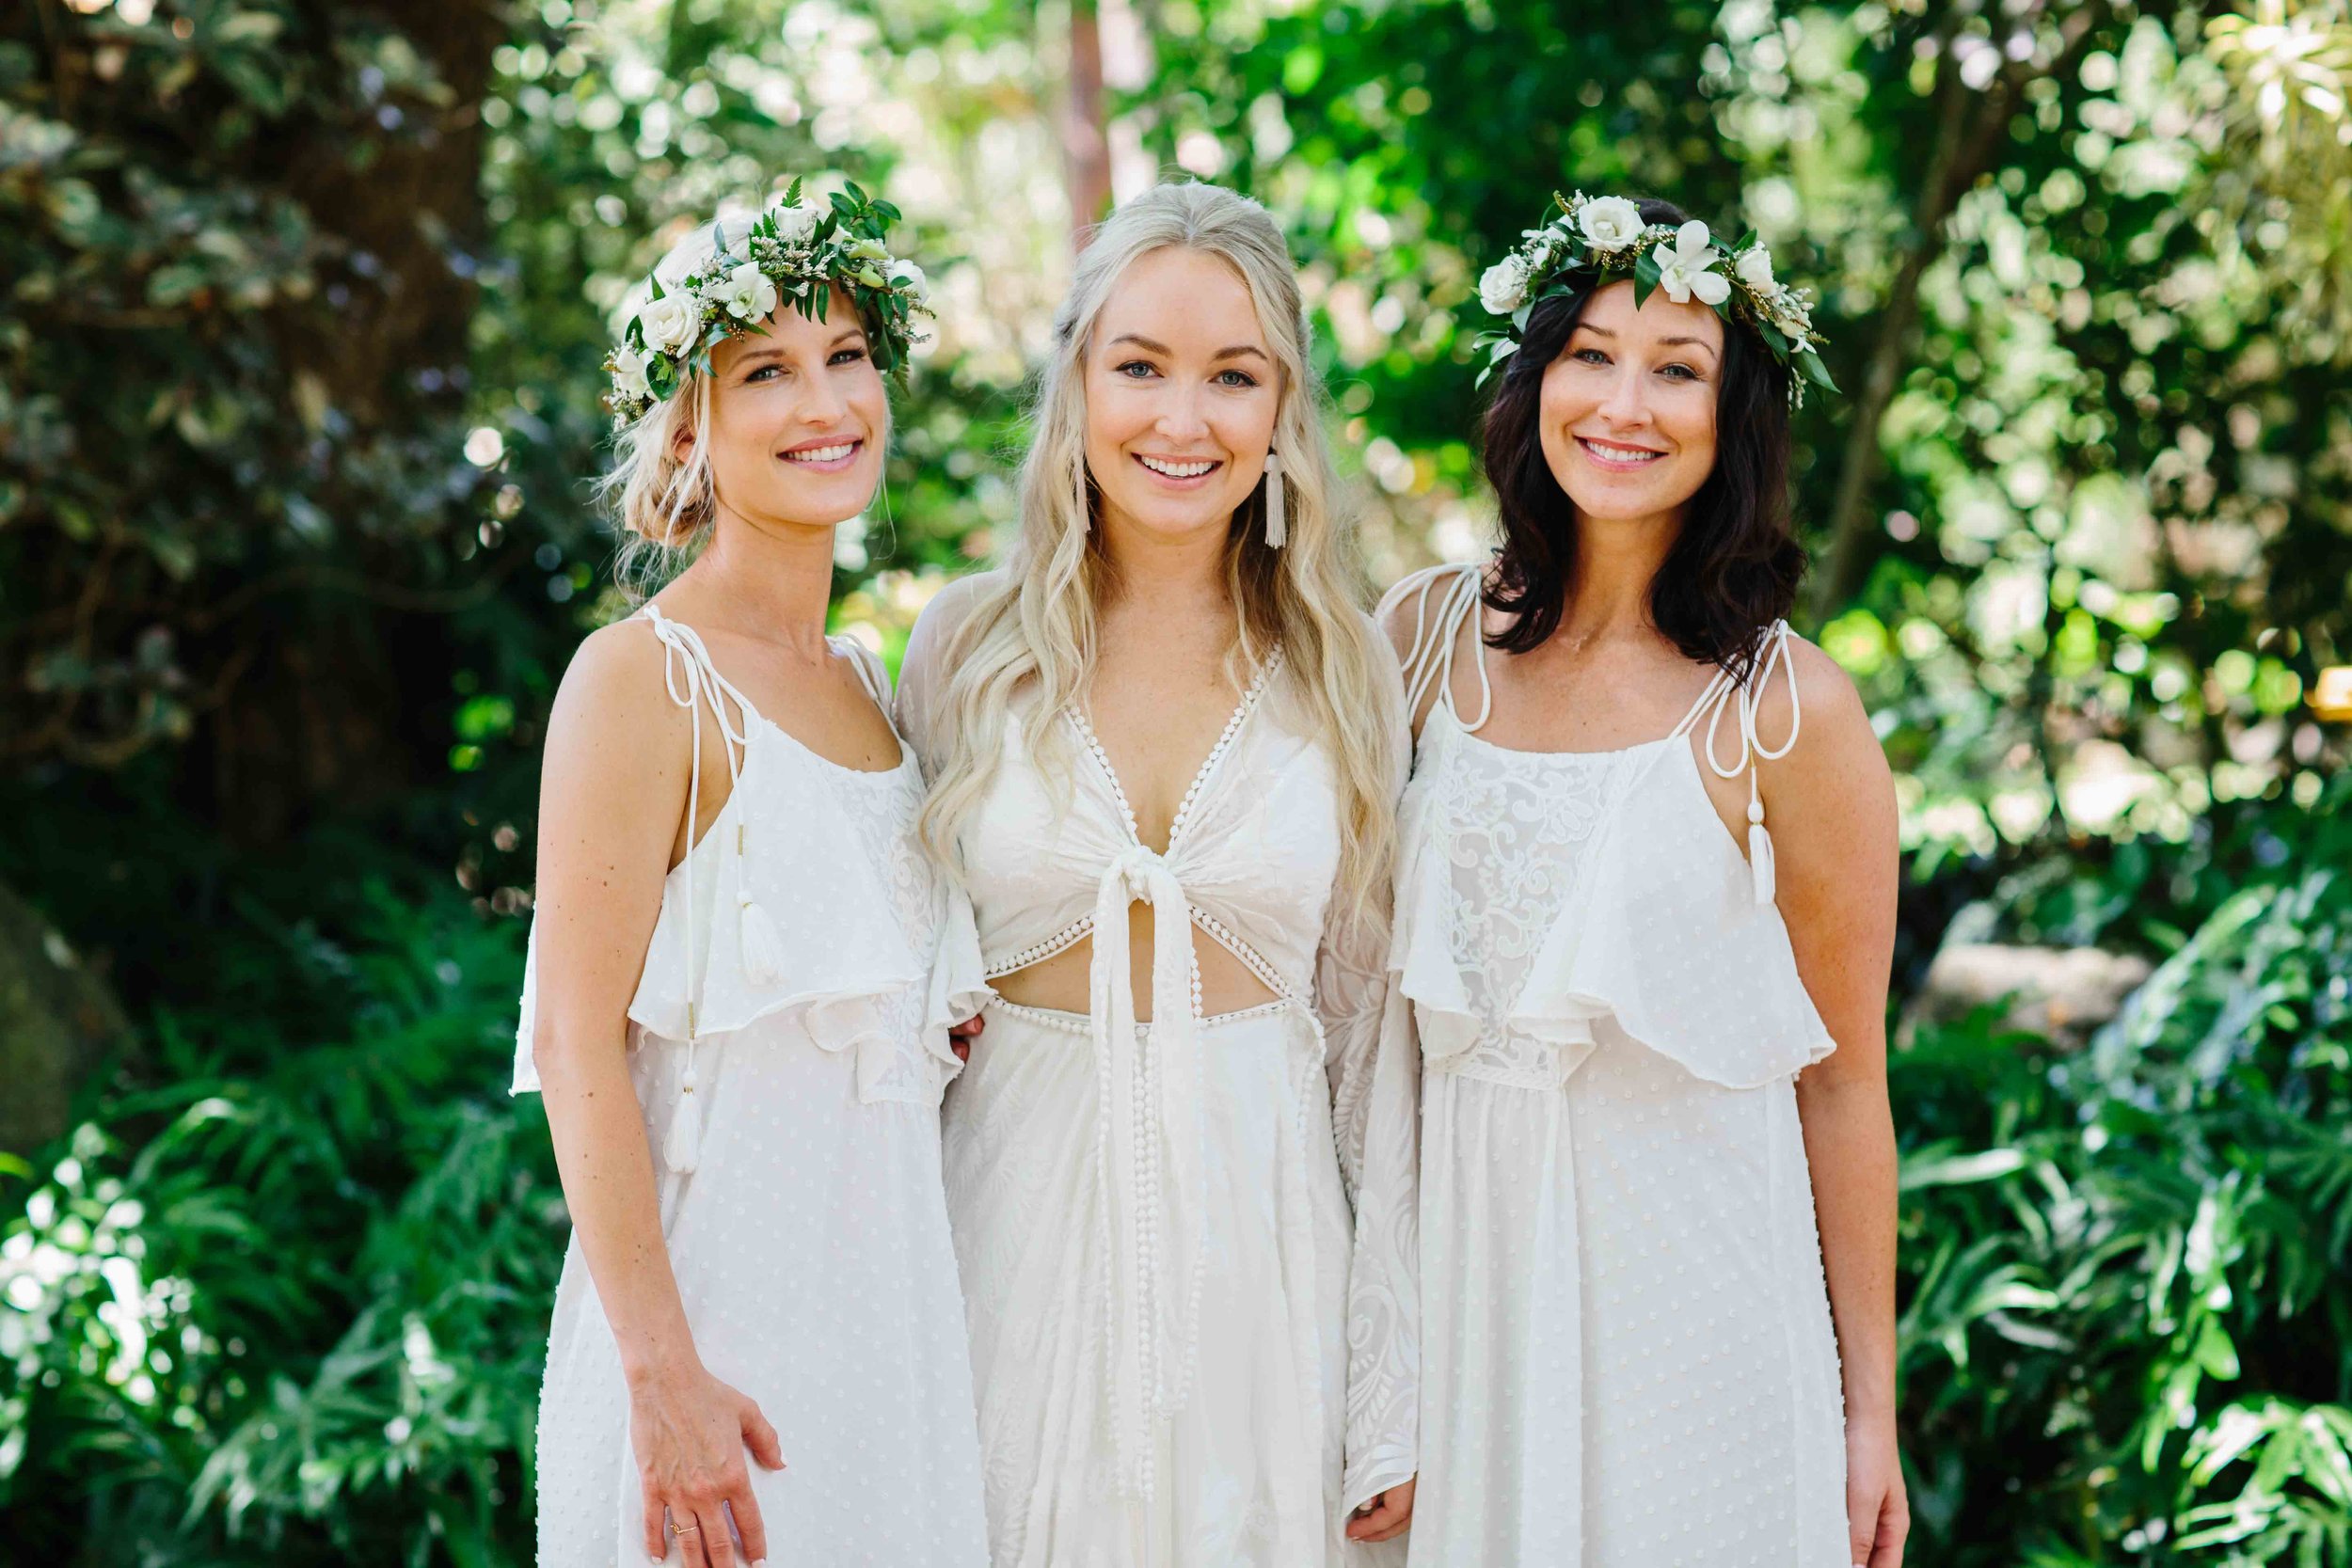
(1627, 1356)
(809, 1232)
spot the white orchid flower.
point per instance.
(908, 276)
(1683, 271)
(1754, 267)
(748, 293)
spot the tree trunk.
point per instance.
(1086, 146)
(345, 685)
(1970, 129)
(57, 1023)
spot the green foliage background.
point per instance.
(304, 305)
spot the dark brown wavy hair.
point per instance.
(1734, 569)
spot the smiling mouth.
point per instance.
(1612, 455)
(834, 454)
(1190, 468)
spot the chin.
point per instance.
(1156, 516)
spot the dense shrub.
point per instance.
(2125, 1323)
(284, 1300)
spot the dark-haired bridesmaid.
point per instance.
(1645, 915)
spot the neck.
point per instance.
(1617, 562)
(769, 580)
(1159, 569)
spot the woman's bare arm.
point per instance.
(1830, 805)
(613, 792)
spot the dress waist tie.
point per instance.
(1151, 1193)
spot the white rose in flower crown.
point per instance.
(794, 224)
(1682, 270)
(671, 322)
(629, 372)
(1610, 223)
(1754, 267)
(748, 293)
(907, 276)
(1502, 288)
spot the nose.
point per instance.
(1180, 417)
(824, 404)
(1624, 405)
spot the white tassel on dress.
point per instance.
(1276, 529)
(763, 950)
(1760, 852)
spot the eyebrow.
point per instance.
(1668, 343)
(1149, 347)
(771, 351)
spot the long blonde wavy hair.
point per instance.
(1034, 629)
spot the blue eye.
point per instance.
(1135, 370)
(1237, 379)
(1591, 357)
(1686, 372)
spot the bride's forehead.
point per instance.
(1177, 296)
(1611, 309)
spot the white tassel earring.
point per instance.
(1276, 529)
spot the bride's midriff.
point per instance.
(1060, 983)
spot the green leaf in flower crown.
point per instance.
(659, 293)
(792, 193)
(842, 206)
(1645, 276)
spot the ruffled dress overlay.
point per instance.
(1628, 1360)
(788, 1048)
(1186, 1244)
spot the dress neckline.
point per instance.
(1200, 775)
(753, 721)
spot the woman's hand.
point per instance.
(961, 1035)
(1385, 1518)
(1878, 1509)
(690, 1432)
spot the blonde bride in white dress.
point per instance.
(1165, 746)
(757, 1345)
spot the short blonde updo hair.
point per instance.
(663, 507)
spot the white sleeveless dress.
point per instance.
(1628, 1355)
(1186, 1243)
(788, 1048)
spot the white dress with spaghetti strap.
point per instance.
(1186, 1244)
(788, 1048)
(1626, 1347)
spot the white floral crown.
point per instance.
(794, 253)
(1597, 235)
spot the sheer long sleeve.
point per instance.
(960, 986)
(1374, 1062)
(923, 678)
